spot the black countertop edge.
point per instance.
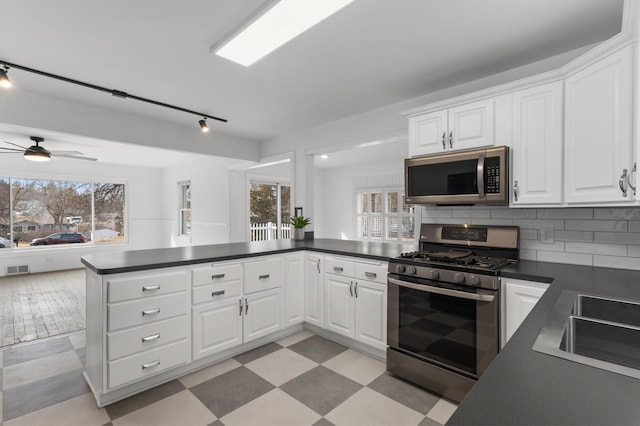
(141, 260)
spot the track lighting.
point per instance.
(4, 82)
(203, 125)
(4, 78)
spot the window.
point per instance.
(184, 219)
(381, 215)
(34, 209)
(269, 211)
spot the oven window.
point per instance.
(441, 328)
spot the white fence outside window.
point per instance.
(269, 231)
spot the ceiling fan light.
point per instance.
(203, 125)
(37, 156)
(4, 79)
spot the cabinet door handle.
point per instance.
(217, 293)
(451, 139)
(151, 337)
(246, 307)
(623, 182)
(318, 265)
(151, 311)
(356, 289)
(151, 364)
(351, 288)
(151, 287)
(444, 140)
(263, 277)
(515, 190)
(633, 187)
(370, 274)
(217, 276)
(338, 268)
(240, 306)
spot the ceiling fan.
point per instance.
(39, 153)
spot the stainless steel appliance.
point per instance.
(477, 176)
(443, 322)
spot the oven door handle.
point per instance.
(444, 291)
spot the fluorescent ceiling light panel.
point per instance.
(283, 22)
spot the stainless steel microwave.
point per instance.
(475, 176)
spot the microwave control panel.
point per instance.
(492, 175)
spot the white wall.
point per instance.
(144, 207)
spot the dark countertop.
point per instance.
(140, 260)
(523, 386)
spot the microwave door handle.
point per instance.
(480, 176)
(443, 291)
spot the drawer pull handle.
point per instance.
(217, 293)
(217, 276)
(150, 338)
(151, 311)
(151, 364)
(263, 277)
(370, 274)
(338, 268)
(151, 287)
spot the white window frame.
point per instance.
(268, 180)
(371, 217)
(184, 212)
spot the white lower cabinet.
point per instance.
(262, 314)
(293, 289)
(357, 307)
(518, 299)
(216, 327)
(313, 294)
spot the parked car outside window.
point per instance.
(59, 238)
(4, 243)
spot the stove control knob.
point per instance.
(474, 279)
(458, 277)
(400, 269)
(411, 270)
(432, 274)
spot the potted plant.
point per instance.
(299, 222)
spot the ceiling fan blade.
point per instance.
(74, 157)
(15, 144)
(66, 153)
(12, 149)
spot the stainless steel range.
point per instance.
(443, 323)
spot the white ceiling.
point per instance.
(370, 54)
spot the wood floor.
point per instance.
(35, 306)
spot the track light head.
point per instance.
(4, 79)
(203, 125)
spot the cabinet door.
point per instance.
(471, 125)
(339, 312)
(428, 133)
(216, 327)
(598, 130)
(371, 313)
(537, 145)
(293, 289)
(313, 296)
(519, 298)
(262, 313)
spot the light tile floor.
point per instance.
(303, 379)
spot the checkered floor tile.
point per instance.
(302, 379)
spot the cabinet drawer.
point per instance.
(150, 336)
(146, 286)
(337, 266)
(147, 363)
(217, 274)
(143, 311)
(215, 292)
(371, 272)
(263, 275)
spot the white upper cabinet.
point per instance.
(598, 121)
(537, 145)
(461, 127)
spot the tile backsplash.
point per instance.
(602, 236)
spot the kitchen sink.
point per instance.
(593, 330)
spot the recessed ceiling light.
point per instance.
(264, 33)
(324, 156)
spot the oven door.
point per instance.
(452, 326)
